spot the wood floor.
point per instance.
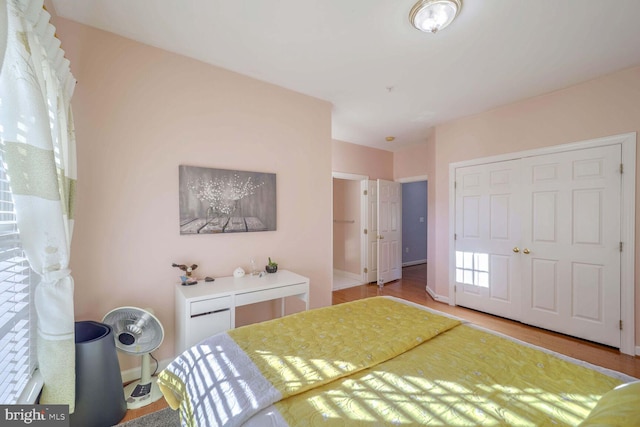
(412, 288)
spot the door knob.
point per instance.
(380, 237)
(516, 249)
(525, 251)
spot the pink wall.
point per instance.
(346, 235)
(417, 160)
(361, 160)
(139, 113)
(601, 107)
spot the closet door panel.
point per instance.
(544, 217)
(487, 231)
(571, 220)
(544, 289)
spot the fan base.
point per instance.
(138, 395)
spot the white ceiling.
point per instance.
(383, 77)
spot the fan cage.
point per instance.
(135, 323)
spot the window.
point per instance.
(472, 268)
(17, 330)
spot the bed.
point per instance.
(385, 361)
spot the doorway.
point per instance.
(414, 227)
(414, 223)
(349, 254)
(356, 237)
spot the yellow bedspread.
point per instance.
(464, 377)
(227, 378)
(376, 362)
(311, 348)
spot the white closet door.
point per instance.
(571, 219)
(487, 233)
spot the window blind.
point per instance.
(17, 324)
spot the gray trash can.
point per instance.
(99, 392)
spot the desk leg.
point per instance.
(282, 308)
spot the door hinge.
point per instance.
(621, 168)
(366, 231)
(366, 270)
(455, 236)
(455, 184)
(455, 288)
(365, 192)
(620, 246)
(621, 325)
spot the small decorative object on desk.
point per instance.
(271, 267)
(254, 268)
(238, 272)
(188, 269)
(186, 281)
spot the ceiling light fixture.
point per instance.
(390, 138)
(432, 16)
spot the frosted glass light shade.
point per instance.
(431, 16)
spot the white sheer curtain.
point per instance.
(38, 143)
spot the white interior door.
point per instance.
(487, 236)
(389, 231)
(372, 231)
(571, 246)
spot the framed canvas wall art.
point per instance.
(226, 201)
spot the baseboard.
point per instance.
(417, 262)
(437, 297)
(135, 373)
(347, 274)
(637, 351)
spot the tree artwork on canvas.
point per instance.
(226, 201)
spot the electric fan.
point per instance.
(137, 332)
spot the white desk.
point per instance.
(209, 307)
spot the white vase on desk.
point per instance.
(238, 272)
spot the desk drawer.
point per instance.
(211, 305)
(206, 325)
(270, 294)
